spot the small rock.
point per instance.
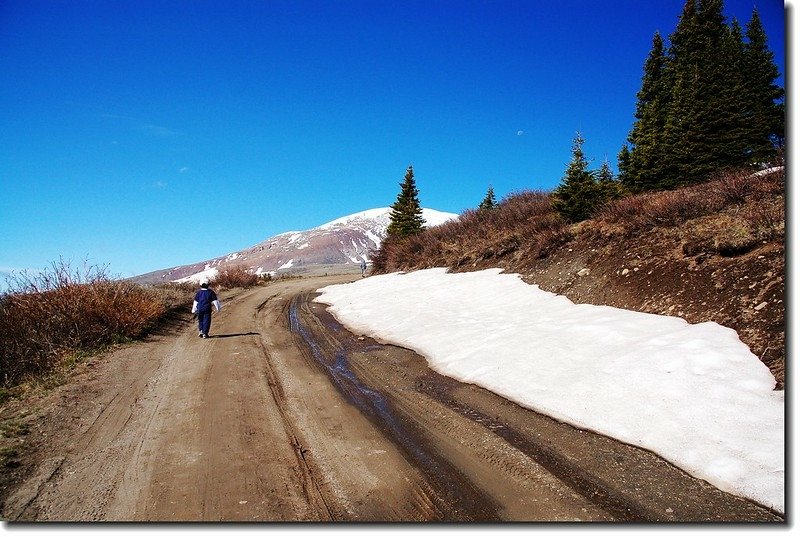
(761, 306)
(669, 509)
(625, 272)
(583, 272)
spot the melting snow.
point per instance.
(694, 394)
(209, 273)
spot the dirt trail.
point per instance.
(284, 416)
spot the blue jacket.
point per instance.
(203, 300)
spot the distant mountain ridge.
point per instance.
(346, 240)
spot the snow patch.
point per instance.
(208, 274)
(374, 238)
(432, 217)
(694, 394)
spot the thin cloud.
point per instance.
(520, 133)
(144, 126)
(183, 170)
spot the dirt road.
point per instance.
(285, 416)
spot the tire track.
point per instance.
(455, 498)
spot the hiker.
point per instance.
(203, 300)
(363, 267)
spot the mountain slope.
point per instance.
(343, 241)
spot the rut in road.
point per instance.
(455, 497)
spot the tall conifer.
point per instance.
(732, 136)
(695, 116)
(641, 165)
(764, 109)
(405, 217)
(707, 103)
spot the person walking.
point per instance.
(363, 267)
(204, 298)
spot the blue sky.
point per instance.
(143, 135)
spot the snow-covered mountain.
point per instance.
(343, 241)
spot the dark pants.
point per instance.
(204, 321)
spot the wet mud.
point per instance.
(457, 498)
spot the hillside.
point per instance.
(713, 252)
(343, 241)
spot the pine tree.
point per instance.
(731, 139)
(695, 117)
(707, 103)
(608, 188)
(764, 107)
(576, 197)
(406, 215)
(641, 166)
(624, 165)
(489, 201)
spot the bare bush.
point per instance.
(45, 315)
(522, 221)
(767, 218)
(673, 207)
(733, 187)
(235, 276)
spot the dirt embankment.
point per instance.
(670, 271)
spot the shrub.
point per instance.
(235, 276)
(522, 221)
(673, 207)
(45, 316)
(767, 219)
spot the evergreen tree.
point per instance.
(406, 215)
(576, 197)
(698, 77)
(641, 166)
(608, 188)
(489, 201)
(707, 103)
(731, 139)
(624, 165)
(764, 109)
